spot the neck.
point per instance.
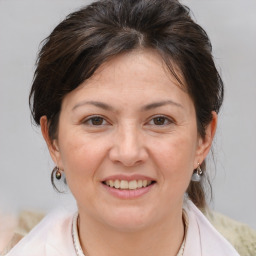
(163, 239)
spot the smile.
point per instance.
(128, 185)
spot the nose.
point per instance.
(128, 146)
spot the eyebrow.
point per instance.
(94, 103)
(160, 104)
(143, 108)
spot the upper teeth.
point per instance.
(124, 184)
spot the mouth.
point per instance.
(128, 185)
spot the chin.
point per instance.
(129, 220)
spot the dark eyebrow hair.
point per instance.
(160, 104)
(95, 103)
(143, 108)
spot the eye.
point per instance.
(95, 121)
(160, 121)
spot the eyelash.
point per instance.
(169, 121)
(88, 121)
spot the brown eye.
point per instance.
(160, 120)
(95, 121)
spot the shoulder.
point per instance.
(52, 236)
(202, 238)
(240, 235)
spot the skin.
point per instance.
(128, 140)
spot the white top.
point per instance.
(53, 237)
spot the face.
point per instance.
(128, 142)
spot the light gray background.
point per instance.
(25, 164)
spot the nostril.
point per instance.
(128, 154)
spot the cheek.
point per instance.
(80, 156)
(175, 158)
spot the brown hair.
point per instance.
(105, 28)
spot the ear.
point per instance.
(204, 144)
(51, 144)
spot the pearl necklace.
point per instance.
(77, 245)
(76, 242)
(181, 250)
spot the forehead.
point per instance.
(140, 74)
(144, 64)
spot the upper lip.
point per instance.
(128, 178)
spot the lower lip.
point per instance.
(127, 193)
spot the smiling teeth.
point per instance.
(124, 184)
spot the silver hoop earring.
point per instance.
(59, 175)
(56, 172)
(197, 175)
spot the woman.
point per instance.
(127, 95)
